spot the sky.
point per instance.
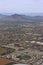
(21, 6)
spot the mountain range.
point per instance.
(20, 18)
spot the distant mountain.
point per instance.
(17, 18)
(1, 15)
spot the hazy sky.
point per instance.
(21, 6)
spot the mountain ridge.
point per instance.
(22, 18)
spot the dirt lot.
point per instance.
(4, 61)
